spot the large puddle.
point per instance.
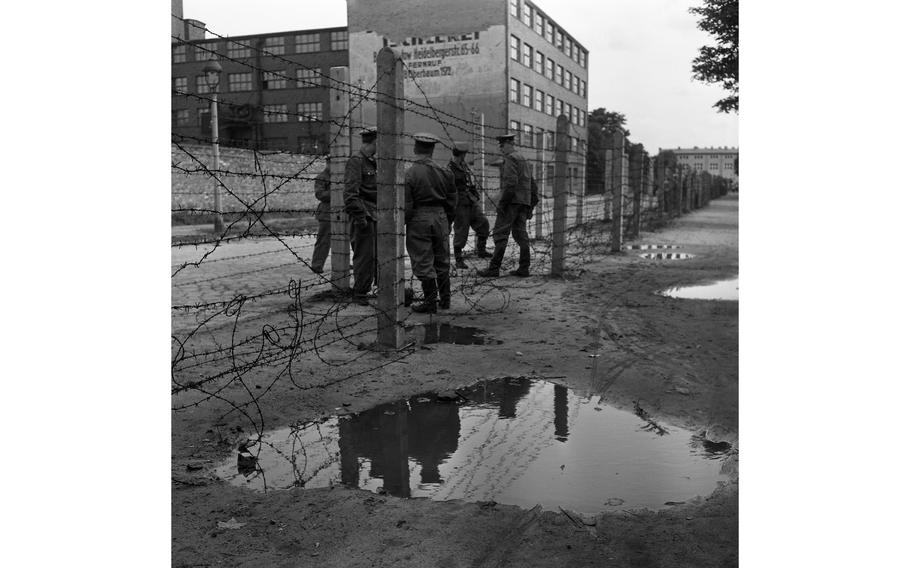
(513, 441)
(438, 332)
(720, 290)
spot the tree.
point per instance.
(601, 124)
(720, 63)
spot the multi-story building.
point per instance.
(718, 161)
(274, 87)
(503, 63)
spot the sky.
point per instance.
(641, 55)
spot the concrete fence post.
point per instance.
(541, 183)
(617, 143)
(607, 180)
(339, 151)
(560, 197)
(636, 181)
(390, 198)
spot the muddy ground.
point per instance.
(677, 359)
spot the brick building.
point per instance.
(273, 92)
(716, 161)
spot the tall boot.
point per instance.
(482, 248)
(445, 291)
(498, 253)
(428, 306)
(459, 259)
(524, 262)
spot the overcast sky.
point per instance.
(641, 55)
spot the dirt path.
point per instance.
(675, 359)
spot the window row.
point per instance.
(277, 45)
(535, 20)
(306, 112)
(536, 60)
(271, 80)
(527, 96)
(541, 138)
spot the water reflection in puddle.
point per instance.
(667, 255)
(438, 332)
(651, 247)
(720, 290)
(514, 441)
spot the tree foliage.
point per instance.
(720, 63)
(601, 124)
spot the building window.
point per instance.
(549, 106)
(514, 86)
(275, 45)
(527, 136)
(309, 112)
(538, 62)
(206, 51)
(728, 166)
(568, 110)
(513, 8)
(275, 113)
(573, 54)
(550, 140)
(712, 166)
(514, 126)
(573, 147)
(308, 78)
(306, 43)
(568, 80)
(180, 85)
(584, 117)
(240, 82)
(550, 31)
(526, 14)
(202, 116)
(179, 54)
(202, 87)
(583, 59)
(538, 100)
(182, 117)
(513, 48)
(574, 113)
(575, 85)
(699, 166)
(560, 107)
(550, 66)
(538, 23)
(339, 41)
(567, 46)
(559, 40)
(526, 95)
(527, 55)
(584, 88)
(272, 81)
(239, 49)
(559, 74)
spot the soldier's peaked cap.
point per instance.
(425, 138)
(368, 134)
(506, 138)
(461, 148)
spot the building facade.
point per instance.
(719, 161)
(273, 93)
(477, 69)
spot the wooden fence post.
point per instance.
(560, 197)
(618, 143)
(390, 199)
(636, 181)
(340, 151)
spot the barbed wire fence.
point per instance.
(250, 317)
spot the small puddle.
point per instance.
(651, 247)
(513, 441)
(438, 332)
(667, 255)
(720, 290)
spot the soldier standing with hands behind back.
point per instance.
(429, 209)
(468, 214)
(516, 205)
(360, 205)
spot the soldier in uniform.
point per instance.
(468, 213)
(324, 217)
(429, 210)
(360, 205)
(517, 200)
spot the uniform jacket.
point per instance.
(324, 195)
(517, 183)
(360, 187)
(465, 183)
(427, 184)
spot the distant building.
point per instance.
(719, 161)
